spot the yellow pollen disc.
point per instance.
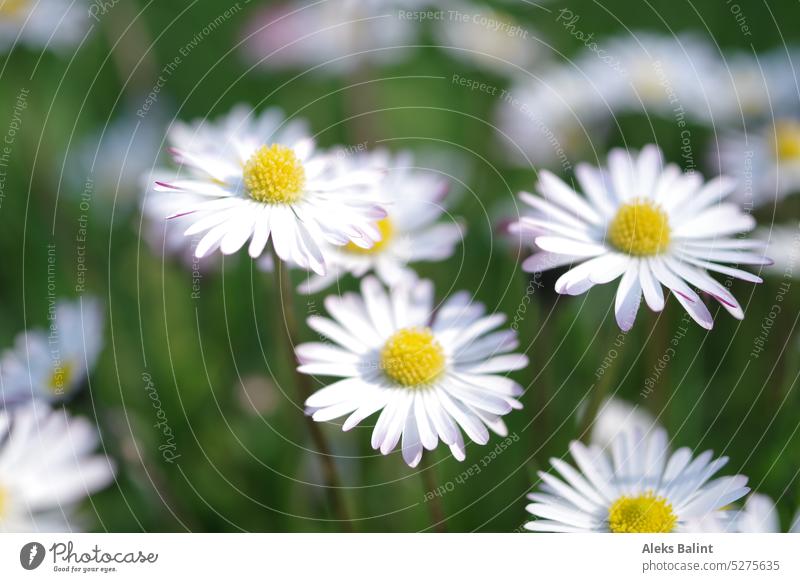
(641, 514)
(274, 175)
(386, 229)
(61, 378)
(640, 228)
(787, 140)
(412, 357)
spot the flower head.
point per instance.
(50, 365)
(412, 230)
(650, 225)
(638, 488)
(430, 374)
(55, 24)
(46, 466)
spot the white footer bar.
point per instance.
(406, 557)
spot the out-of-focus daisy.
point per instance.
(639, 487)
(647, 223)
(747, 86)
(552, 121)
(427, 373)
(57, 24)
(46, 466)
(345, 35)
(410, 232)
(616, 416)
(765, 163)
(485, 37)
(262, 180)
(51, 364)
(783, 249)
(657, 74)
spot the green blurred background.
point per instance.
(221, 371)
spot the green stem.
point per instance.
(430, 484)
(303, 384)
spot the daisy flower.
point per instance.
(52, 364)
(56, 24)
(410, 232)
(429, 374)
(647, 223)
(261, 179)
(765, 163)
(638, 488)
(46, 466)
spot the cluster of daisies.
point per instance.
(47, 456)
(434, 370)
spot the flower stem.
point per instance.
(434, 504)
(303, 384)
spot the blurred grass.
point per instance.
(241, 470)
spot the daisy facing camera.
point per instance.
(430, 374)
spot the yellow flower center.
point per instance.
(640, 228)
(12, 7)
(412, 357)
(787, 140)
(386, 229)
(274, 175)
(641, 514)
(61, 378)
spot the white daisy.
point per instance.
(261, 180)
(647, 223)
(46, 466)
(638, 488)
(56, 24)
(747, 86)
(552, 120)
(657, 74)
(765, 163)
(51, 364)
(410, 232)
(427, 373)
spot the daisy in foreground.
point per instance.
(638, 488)
(410, 232)
(262, 179)
(647, 223)
(46, 466)
(427, 373)
(51, 365)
